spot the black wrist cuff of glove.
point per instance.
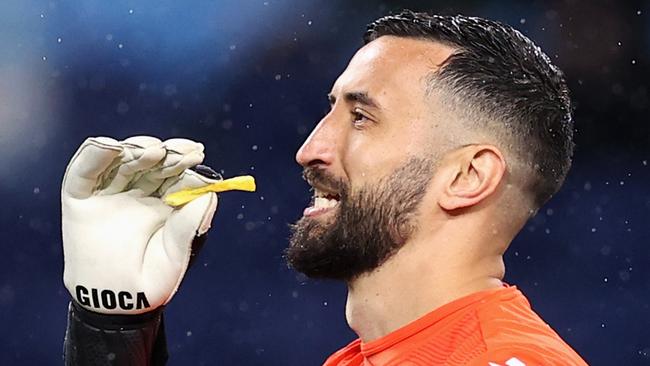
(113, 321)
(97, 339)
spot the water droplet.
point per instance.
(120, 46)
(309, 22)
(44, 58)
(130, 11)
(59, 40)
(122, 107)
(522, 21)
(633, 62)
(254, 147)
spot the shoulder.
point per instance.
(515, 335)
(529, 355)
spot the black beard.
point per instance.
(370, 226)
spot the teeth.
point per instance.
(322, 194)
(322, 202)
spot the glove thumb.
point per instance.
(168, 264)
(184, 224)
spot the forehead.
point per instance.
(392, 66)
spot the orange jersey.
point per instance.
(490, 328)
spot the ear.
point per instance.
(474, 174)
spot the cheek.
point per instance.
(368, 158)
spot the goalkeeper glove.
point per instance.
(125, 250)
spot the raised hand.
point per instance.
(125, 250)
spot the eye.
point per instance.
(358, 118)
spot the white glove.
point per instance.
(125, 250)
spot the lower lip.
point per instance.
(317, 211)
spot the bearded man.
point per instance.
(445, 135)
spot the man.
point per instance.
(445, 135)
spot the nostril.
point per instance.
(316, 162)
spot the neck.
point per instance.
(419, 278)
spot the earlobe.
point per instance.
(474, 175)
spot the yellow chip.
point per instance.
(242, 183)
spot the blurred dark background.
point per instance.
(249, 79)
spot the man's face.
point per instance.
(369, 160)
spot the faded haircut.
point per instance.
(502, 77)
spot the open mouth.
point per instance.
(325, 199)
(323, 202)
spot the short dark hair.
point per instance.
(503, 74)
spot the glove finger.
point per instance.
(88, 167)
(167, 260)
(141, 153)
(181, 154)
(191, 178)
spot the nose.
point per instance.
(320, 147)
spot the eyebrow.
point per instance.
(356, 97)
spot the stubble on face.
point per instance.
(370, 225)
